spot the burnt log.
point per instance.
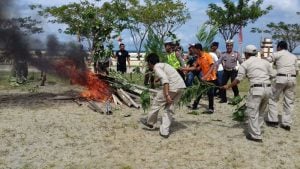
(95, 106)
(130, 99)
(124, 98)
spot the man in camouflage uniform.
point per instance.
(286, 67)
(259, 72)
(229, 60)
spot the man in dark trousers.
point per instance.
(229, 58)
(122, 55)
(205, 64)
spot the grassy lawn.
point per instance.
(8, 82)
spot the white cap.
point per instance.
(250, 49)
(230, 41)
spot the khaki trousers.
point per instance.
(289, 91)
(257, 102)
(160, 102)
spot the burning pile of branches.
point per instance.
(102, 91)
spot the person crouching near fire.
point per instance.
(259, 72)
(173, 87)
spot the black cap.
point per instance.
(215, 44)
(198, 46)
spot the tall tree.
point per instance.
(154, 44)
(90, 21)
(163, 17)
(282, 31)
(140, 20)
(169, 16)
(233, 16)
(206, 35)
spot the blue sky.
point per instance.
(283, 10)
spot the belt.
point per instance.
(260, 85)
(230, 69)
(280, 74)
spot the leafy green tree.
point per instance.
(140, 20)
(282, 31)
(169, 16)
(90, 21)
(233, 16)
(154, 44)
(206, 35)
(161, 16)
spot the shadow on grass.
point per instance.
(35, 100)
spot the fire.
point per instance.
(96, 89)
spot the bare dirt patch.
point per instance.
(37, 132)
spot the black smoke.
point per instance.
(15, 42)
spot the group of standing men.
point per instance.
(213, 67)
(259, 71)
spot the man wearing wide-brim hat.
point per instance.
(259, 72)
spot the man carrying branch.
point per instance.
(205, 65)
(259, 73)
(173, 86)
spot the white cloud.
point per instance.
(283, 10)
(284, 5)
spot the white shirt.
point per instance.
(215, 58)
(168, 74)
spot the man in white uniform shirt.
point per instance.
(287, 69)
(173, 86)
(259, 72)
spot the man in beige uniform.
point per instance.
(286, 66)
(173, 86)
(259, 73)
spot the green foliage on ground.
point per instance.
(235, 100)
(8, 82)
(194, 91)
(239, 113)
(145, 100)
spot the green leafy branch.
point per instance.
(145, 100)
(195, 91)
(239, 112)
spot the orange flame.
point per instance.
(96, 89)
